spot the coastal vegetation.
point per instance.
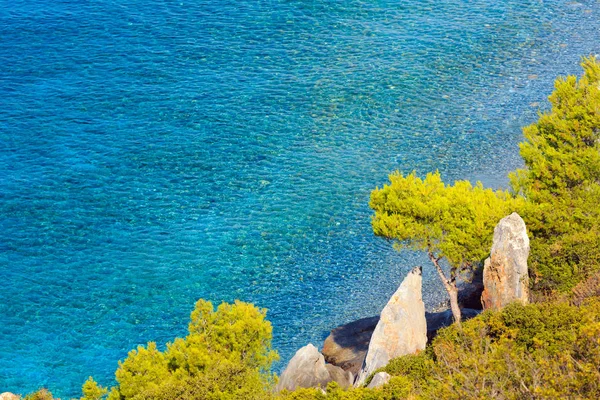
(548, 349)
(561, 182)
(454, 223)
(556, 193)
(536, 351)
(227, 354)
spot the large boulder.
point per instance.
(401, 329)
(346, 346)
(505, 274)
(9, 396)
(307, 369)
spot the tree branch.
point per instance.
(439, 269)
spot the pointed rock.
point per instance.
(505, 273)
(401, 329)
(307, 369)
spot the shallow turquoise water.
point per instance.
(153, 153)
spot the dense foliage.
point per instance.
(538, 351)
(227, 355)
(561, 181)
(454, 222)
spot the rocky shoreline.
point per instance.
(355, 351)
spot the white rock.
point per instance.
(9, 396)
(401, 329)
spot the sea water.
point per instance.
(156, 152)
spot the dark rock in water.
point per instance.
(346, 346)
(439, 320)
(307, 369)
(469, 293)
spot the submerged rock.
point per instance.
(307, 369)
(505, 273)
(379, 379)
(401, 329)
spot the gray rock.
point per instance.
(343, 378)
(346, 346)
(505, 273)
(401, 329)
(379, 379)
(307, 369)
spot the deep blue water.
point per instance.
(153, 153)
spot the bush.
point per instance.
(42, 394)
(561, 181)
(227, 355)
(522, 352)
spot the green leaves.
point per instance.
(561, 180)
(455, 222)
(92, 391)
(227, 355)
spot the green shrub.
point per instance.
(227, 355)
(535, 351)
(417, 367)
(92, 391)
(42, 394)
(561, 181)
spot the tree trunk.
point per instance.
(450, 286)
(453, 293)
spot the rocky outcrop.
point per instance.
(505, 274)
(346, 346)
(401, 328)
(379, 379)
(307, 369)
(9, 396)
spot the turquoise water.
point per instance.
(153, 153)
